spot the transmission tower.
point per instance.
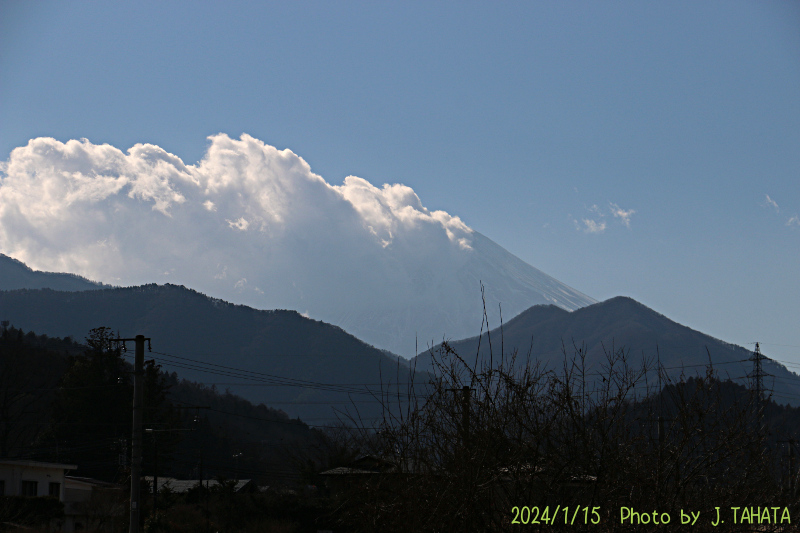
(757, 375)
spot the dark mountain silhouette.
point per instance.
(302, 366)
(46, 417)
(333, 366)
(17, 275)
(546, 332)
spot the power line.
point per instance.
(295, 382)
(269, 379)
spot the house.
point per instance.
(33, 478)
(87, 502)
(363, 470)
(91, 504)
(182, 486)
(364, 466)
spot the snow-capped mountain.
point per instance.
(253, 225)
(435, 299)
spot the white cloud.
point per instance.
(254, 225)
(597, 224)
(769, 202)
(240, 224)
(282, 232)
(596, 210)
(622, 214)
(57, 199)
(793, 222)
(591, 226)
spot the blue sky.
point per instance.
(531, 121)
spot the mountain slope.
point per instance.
(322, 365)
(397, 299)
(439, 298)
(17, 275)
(546, 332)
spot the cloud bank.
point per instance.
(246, 221)
(254, 225)
(127, 217)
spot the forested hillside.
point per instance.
(310, 368)
(70, 402)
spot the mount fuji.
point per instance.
(253, 225)
(429, 300)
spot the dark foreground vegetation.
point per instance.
(510, 446)
(66, 402)
(499, 445)
(71, 403)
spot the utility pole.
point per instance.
(153, 432)
(136, 448)
(236, 471)
(791, 465)
(155, 475)
(792, 472)
(465, 397)
(660, 427)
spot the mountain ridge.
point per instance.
(547, 334)
(298, 364)
(15, 274)
(431, 303)
(211, 331)
(390, 298)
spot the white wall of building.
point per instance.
(13, 473)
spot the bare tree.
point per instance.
(486, 438)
